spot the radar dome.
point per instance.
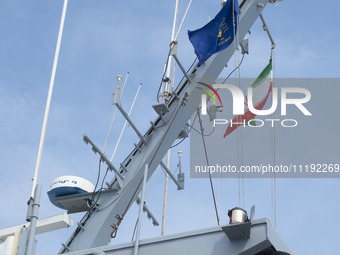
(68, 185)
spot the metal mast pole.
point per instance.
(33, 218)
(153, 146)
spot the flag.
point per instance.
(261, 90)
(218, 34)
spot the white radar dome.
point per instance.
(68, 185)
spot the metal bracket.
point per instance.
(66, 247)
(126, 116)
(245, 46)
(80, 202)
(153, 125)
(124, 168)
(213, 110)
(184, 132)
(265, 28)
(148, 213)
(179, 186)
(237, 231)
(80, 226)
(173, 52)
(180, 178)
(160, 109)
(116, 96)
(120, 178)
(260, 5)
(137, 147)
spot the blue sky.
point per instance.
(105, 38)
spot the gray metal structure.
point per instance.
(102, 220)
(263, 240)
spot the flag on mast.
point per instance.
(218, 34)
(261, 90)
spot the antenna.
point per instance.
(119, 79)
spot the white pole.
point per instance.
(141, 205)
(49, 97)
(167, 88)
(173, 36)
(167, 84)
(180, 26)
(121, 132)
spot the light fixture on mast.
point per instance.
(119, 79)
(116, 94)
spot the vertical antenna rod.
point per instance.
(122, 131)
(115, 112)
(49, 98)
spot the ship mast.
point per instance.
(101, 223)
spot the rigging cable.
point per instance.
(234, 69)
(91, 206)
(173, 146)
(191, 126)
(206, 157)
(98, 177)
(239, 131)
(274, 142)
(200, 132)
(99, 191)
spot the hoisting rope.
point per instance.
(207, 160)
(239, 136)
(273, 145)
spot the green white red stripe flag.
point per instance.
(261, 90)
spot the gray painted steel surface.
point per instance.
(263, 239)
